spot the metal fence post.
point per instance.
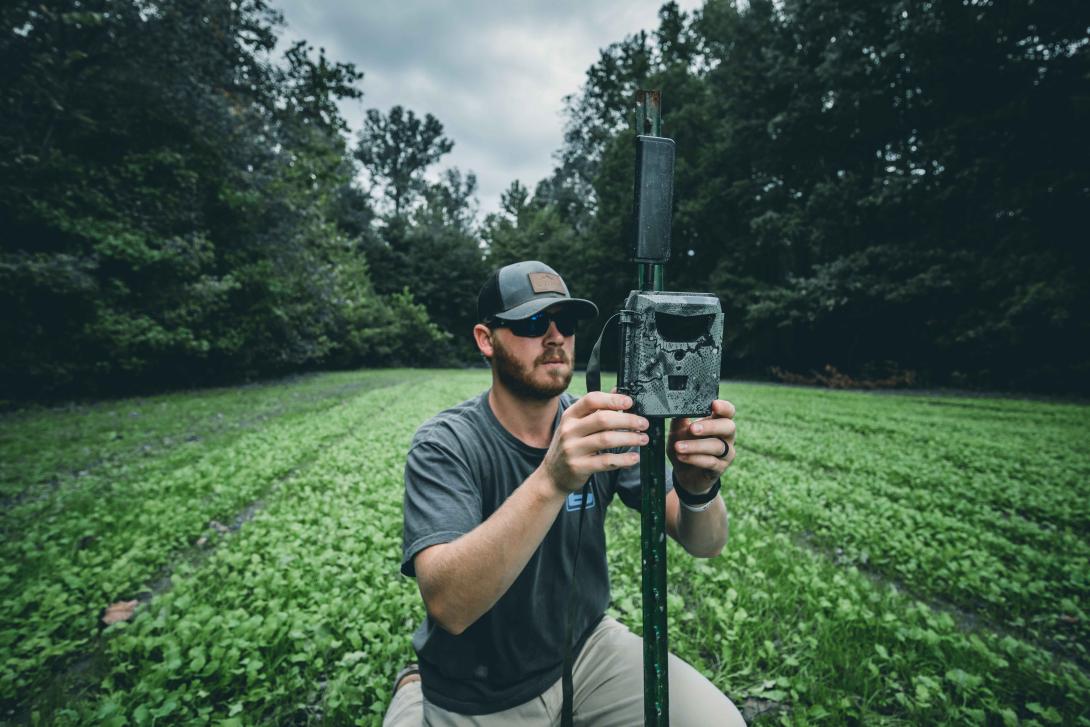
(656, 693)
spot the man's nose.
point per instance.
(553, 336)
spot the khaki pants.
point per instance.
(608, 679)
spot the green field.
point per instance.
(892, 559)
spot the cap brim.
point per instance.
(583, 308)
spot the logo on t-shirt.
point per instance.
(575, 501)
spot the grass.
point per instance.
(893, 560)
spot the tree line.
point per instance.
(876, 187)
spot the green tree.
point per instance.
(176, 203)
(436, 254)
(859, 182)
(396, 150)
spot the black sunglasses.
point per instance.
(537, 324)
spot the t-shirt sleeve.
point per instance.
(627, 482)
(442, 502)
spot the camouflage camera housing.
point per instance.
(671, 347)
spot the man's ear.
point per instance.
(482, 334)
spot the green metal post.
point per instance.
(656, 694)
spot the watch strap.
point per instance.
(693, 500)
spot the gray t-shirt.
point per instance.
(461, 467)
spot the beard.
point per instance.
(521, 382)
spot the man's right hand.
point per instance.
(594, 423)
(461, 580)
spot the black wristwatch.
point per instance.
(696, 500)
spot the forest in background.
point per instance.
(876, 191)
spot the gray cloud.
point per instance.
(494, 74)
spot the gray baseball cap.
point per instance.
(522, 289)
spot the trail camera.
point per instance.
(671, 346)
(670, 343)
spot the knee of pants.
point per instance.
(407, 707)
(613, 688)
(695, 701)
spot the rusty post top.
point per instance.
(649, 112)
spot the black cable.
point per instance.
(567, 709)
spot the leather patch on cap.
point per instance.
(547, 283)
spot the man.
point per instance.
(493, 500)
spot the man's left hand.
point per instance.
(701, 449)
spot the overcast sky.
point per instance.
(494, 73)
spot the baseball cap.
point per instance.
(522, 289)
